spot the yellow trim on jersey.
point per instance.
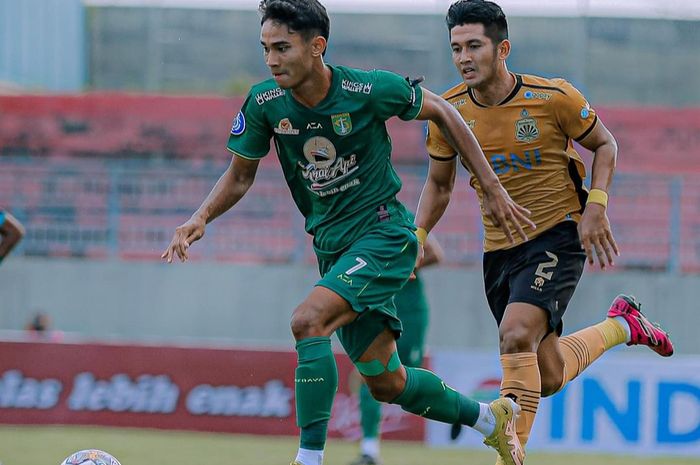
(247, 157)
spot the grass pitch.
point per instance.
(50, 445)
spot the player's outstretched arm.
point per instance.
(497, 203)
(594, 229)
(228, 190)
(12, 232)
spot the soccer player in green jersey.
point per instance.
(412, 309)
(328, 125)
(11, 232)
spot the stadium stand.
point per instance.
(111, 175)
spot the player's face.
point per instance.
(287, 54)
(474, 54)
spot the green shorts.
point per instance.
(412, 308)
(367, 275)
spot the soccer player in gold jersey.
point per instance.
(526, 126)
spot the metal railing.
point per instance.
(128, 210)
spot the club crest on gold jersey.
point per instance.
(526, 128)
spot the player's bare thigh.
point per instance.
(320, 314)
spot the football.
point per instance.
(90, 457)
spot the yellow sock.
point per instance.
(582, 348)
(521, 381)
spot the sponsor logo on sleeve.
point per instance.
(586, 111)
(238, 124)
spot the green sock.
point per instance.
(315, 384)
(427, 395)
(370, 413)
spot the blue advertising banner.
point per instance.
(631, 403)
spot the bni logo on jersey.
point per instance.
(342, 124)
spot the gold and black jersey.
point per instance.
(528, 140)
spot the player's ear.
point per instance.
(318, 46)
(503, 49)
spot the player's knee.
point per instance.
(516, 339)
(305, 323)
(551, 385)
(385, 388)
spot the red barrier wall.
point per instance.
(650, 139)
(222, 390)
(138, 125)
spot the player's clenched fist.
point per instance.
(184, 236)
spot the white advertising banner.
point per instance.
(627, 403)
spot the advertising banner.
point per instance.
(222, 390)
(627, 403)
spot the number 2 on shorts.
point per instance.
(544, 265)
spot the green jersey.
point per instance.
(336, 155)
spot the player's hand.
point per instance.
(419, 260)
(184, 236)
(596, 236)
(505, 213)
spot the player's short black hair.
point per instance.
(479, 12)
(307, 17)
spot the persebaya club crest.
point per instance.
(526, 128)
(342, 124)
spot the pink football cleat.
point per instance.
(644, 332)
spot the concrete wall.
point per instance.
(252, 304)
(43, 44)
(612, 60)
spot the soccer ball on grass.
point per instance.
(90, 457)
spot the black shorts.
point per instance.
(543, 272)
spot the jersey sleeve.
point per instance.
(393, 95)
(250, 133)
(436, 144)
(2, 217)
(574, 114)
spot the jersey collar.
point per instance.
(509, 97)
(332, 90)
